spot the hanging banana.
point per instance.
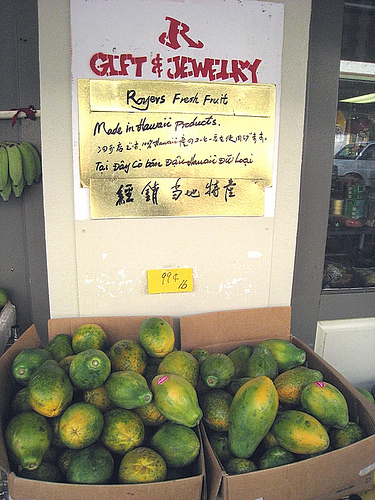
(18, 188)
(6, 191)
(14, 163)
(38, 164)
(28, 163)
(20, 165)
(4, 170)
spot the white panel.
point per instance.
(113, 257)
(349, 346)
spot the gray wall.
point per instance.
(23, 268)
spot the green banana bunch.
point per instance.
(4, 170)
(20, 165)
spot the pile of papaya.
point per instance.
(263, 407)
(86, 412)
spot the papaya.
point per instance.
(367, 394)
(262, 362)
(80, 425)
(20, 401)
(350, 434)
(127, 354)
(27, 361)
(274, 457)
(326, 403)
(47, 471)
(300, 432)
(60, 346)
(66, 362)
(157, 337)
(89, 336)
(91, 465)
(28, 436)
(64, 459)
(89, 369)
(177, 444)
(50, 391)
(217, 370)
(182, 363)
(220, 444)
(128, 389)
(99, 398)
(150, 415)
(236, 465)
(269, 441)
(200, 354)
(251, 415)
(290, 383)
(176, 399)
(123, 430)
(286, 354)
(142, 465)
(236, 383)
(240, 358)
(215, 405)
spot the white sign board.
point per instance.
(219, 41)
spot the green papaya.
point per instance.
(325, 402)
(236, 383)
(240, 358)
(287, 354)
(251, 415)
(217, 370)
(128, 389)
(262, 362)
(28, 437)
(60, 346)
(27, 362)
(274, 457)
(176, 399)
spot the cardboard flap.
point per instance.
(220, 327)
(119, 327)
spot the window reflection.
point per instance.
(350, 246)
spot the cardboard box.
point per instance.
(330, 476)
(116, 328)
(7, 320)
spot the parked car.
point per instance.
(357, 159)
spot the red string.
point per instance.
(30, 112)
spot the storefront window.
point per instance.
(350, 245)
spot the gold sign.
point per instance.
(179, 137)
(111, 198)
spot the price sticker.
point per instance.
(170, 280)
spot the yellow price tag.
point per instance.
(170, 280)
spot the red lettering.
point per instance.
(104, 64)
(213, 69)
(176, 29)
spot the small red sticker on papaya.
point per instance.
(320, 384)
(163, 379)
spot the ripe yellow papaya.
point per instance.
(300, 433)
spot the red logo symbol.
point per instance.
(178, 29)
